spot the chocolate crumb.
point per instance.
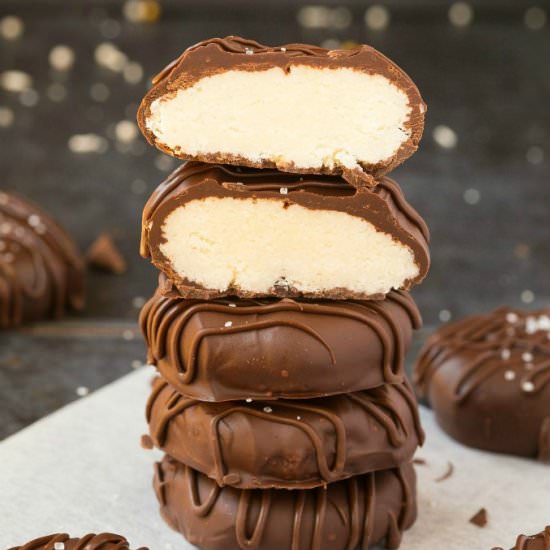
(447, 474)
(479, 518)
(146, 442)
(103, 254)
(419, 462)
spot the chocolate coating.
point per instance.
(384, 206)
(265, 349)
(41, 271)
(350, 514)
(540, 541)
(287, 444)
(487, 379)
(218, 55)
(103, 541)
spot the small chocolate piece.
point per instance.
(479, 519)
(349, 514)
(287, 444)
(41, 271)
(62, 541)
(265, 349)
(104, 254)
(217, 230)
(488, 380)
(540, 541)
(298, 108)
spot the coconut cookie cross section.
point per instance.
(297, 107)
(215, 230)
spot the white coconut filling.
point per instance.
(308, 117)
(253, 245)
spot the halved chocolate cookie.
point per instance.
(297, 107)
(217, 230)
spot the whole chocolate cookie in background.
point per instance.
(264, 349)
(350, 514)
(487, 378)
(210, 102)
(62, 541)
(218, 230)
(287, 444)
(41, 270)
(540, 541)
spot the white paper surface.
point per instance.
(83, 470)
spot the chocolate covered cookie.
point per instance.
(41, 270)
(287, 444)
(487, 379)
(265, 349)
(347, 515)
(541, 541)
(217, 230)
(62, 541)
(297, 107)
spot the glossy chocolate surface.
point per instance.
(488, 380)
(350, 514)
(287, 444)
(265, 349)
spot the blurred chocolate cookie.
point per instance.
(487, 379)
(41, 270)
(540, 541)
(287, 443)
(62, 541)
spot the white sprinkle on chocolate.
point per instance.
(248, 51)
(283, 190)
(33, 220)
(505, 354)
(283, 49)
(232, 305)
(248, 400)
(512, 317)
(268, 410)
(528, 386)
(509, 375)
(58, 546)
(298, 418)
(228, 324)
(526, 357)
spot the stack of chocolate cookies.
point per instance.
(282, 316)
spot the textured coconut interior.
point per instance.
(308, 117)
(255, 244)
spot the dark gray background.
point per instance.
(489, 82)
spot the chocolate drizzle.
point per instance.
(361, 431)
(41, 272)
(488, 380)
(346, 515)
(103, 541)
(178, 330)
(501, 341)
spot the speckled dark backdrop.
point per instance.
(480, 177)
